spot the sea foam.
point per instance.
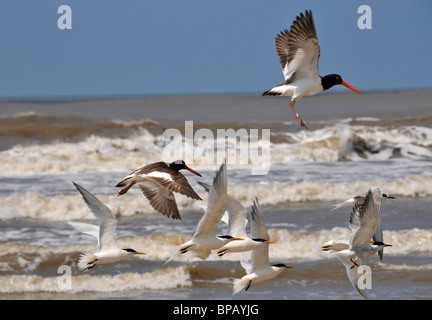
(340, 142)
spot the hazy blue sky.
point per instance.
(200, 46)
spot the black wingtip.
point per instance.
(77, 186)
(270, 93)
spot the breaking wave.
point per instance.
(35, 205)
(291, 245)
(340, 142)
(161, 279)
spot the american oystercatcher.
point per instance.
(158, 181)
(299, 52)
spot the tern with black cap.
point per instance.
(105, 231)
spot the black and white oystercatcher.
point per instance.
(158, 181)
(299, 52)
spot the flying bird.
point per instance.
(205, 239)
(237, 226)
(378, 196)
(363, 224)
(299, 51)
(236, 219)
(107, 251)
(158, 182)
(359, 199)
(259, 268)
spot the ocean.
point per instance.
(354, 142)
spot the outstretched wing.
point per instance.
(353, 273)
(106, 219)
(298, 49)
(363, 222)
(161, 199)
(258, 227)
(216, 206)
(378, 236)
(177, 183)
(260, 256)
(234, 216)
(86, 228)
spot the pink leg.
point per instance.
(124, 190)
(299, 120)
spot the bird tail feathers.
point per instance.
(86, 261)
(173, 256)
(337, 206)
(240, 284)
(176, 254)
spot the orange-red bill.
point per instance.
(350, 87)
(193, 171)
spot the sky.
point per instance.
(157, 47)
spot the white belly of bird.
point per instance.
(264, 275)
(210, 244)
(241, 246)
(356, 253)
(202, 247)
(110, 256)
(302, 87)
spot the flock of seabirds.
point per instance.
(298, 52)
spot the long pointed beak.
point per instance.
(387, 245)
(350, 87)
(289, 267)
(237, 238)
(140, 252)
(193, 171)
(271, 241)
